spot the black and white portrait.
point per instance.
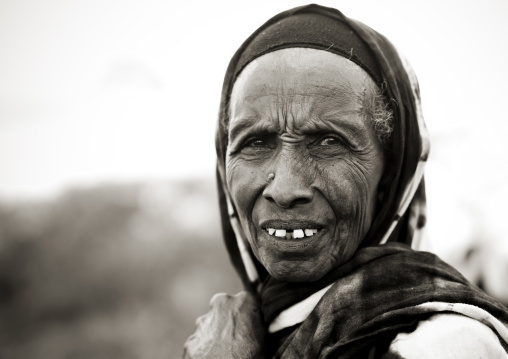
(253, 180)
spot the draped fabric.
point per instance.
(406, 153)
(367, 300)
(376, 295)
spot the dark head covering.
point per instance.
(311, 30)
(359, 307)
(318, 27)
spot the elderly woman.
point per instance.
(321, 147)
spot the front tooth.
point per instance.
(309, 232)
(280, 233)
(298, 233)
(289, 235)
(271, 231)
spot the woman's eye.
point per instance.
(257, 143)
(330, 141)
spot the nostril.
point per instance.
(268, 198)
(287, 197)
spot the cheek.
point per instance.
(351, 193)
(244, 184)
(340, 189)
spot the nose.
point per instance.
(291, 185)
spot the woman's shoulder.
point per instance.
(447, 336)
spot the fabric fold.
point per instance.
(383, 289)
(373, 300)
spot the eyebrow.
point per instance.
(331, 121)
(250, 124)
(337, 124)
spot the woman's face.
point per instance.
(303, 115)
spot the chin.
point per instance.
(296, 271)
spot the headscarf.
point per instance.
(369, 297)
(318, 27)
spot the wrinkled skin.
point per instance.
(232, 329)
(302, 114)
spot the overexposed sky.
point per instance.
(104, 90)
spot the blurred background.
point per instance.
(110, 245)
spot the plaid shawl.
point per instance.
(378, 292)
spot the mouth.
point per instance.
(291, 229)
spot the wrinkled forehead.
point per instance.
(301, 75)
